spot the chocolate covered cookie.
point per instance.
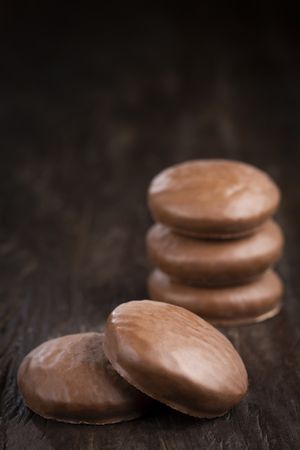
(174, 356)
(208, 262)
(235, 305)
(213, 198)
(69, 379)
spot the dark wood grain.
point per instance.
(92, 107)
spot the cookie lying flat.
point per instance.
(202, 262)
(175, 357)
(249, 303)
(69, 379)
(213, 198)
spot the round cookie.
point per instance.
(208, 262)
(69, 379)
(213, 198)
(175, 357)
(249, 303)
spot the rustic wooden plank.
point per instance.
(89, 115)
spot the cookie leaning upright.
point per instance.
(213, 198)
(175, 357)
(215, 242)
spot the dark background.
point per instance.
(93, 103)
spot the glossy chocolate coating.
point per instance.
(202, 262)
(213, 198)
(175, 357)
(69, 379)
(235, 305)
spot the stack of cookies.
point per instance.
(215, 242)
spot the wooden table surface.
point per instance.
(91, 109)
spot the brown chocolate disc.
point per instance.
(207, 262)
(235, 305)
(175, 357)
(213, 198)
(69, 379)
